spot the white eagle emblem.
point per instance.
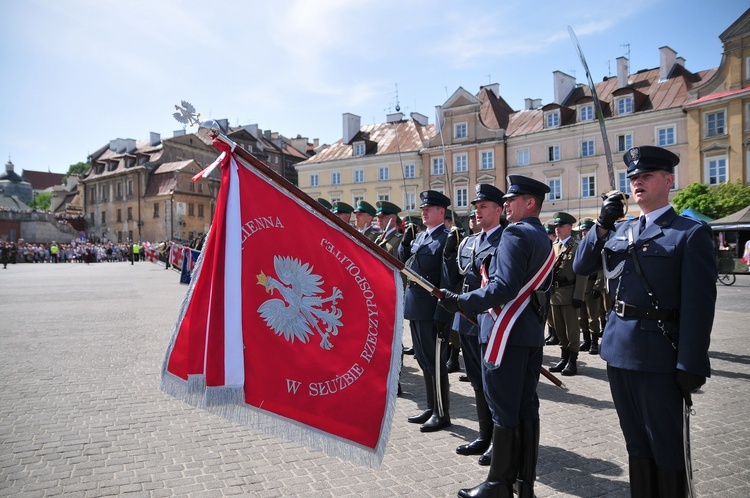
(301, 312)
(186, 114)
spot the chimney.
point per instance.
(9, 167)
(300, 144)
(532, 104)
(420, 118)
(394, 117)
(154, 139)
(667, 59)
(316, 143)
(495, 87)
(252, 129)
(622, 72)
(680, 61)
(267, 134)
(351, 124)
(564, 84)
(178, 133)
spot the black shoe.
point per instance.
(452, 366)
(409, 351)
(398, 393)
(476, 447)
(436, 423)
(552, 341)
(561, 364)
(421, 418)
(463, 378)
(585, 345)
(571, 368)
(486, 459)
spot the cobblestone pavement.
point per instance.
(81, 414)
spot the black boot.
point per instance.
(594, 344)
(503, 469)
(672, 483)
(586, 344)
(572, 367)
(644, 482)
(480, 444)
(436, 422)
(563, 361)
(429, 388)
(453, 365)
(529, 456)
(486, 459)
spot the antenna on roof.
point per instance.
(628, 52)
(397, 106)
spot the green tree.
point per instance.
(41, 201)
(696, 196)
(79, 169)
(714, 202)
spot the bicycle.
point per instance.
(727, 278)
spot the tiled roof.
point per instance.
(494, 111)
(160, 185)
(391, 138)
(717, 96)
(656, 94)
(175, 166)
(12, 202)
(42, 180)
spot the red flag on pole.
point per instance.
(289, 323)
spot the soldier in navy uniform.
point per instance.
(661, 273)
(510, 388)
(423, 253)
(364, 213)
(463, 271)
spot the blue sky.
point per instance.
(78, 73)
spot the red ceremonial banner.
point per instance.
(310, 348)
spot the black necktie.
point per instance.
(642, 226)
(482, 237)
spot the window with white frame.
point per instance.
(356, 199)
(553, 119)
(715, 123)
(716, 169)
(555, 189)
(587, 113)
(334, 200)
(461, 199)
(624, 142)
(335, 178)
(487, 159)
(587, 148)
(588, 185)
(384, 173)
(410, 201)
(314, 181)
(460, 130)
(523, 157)
(553, 153)
(665, 135)
(384, 197)
(359, 176)
(623, 183)
(625, 105)
(359, 149)
(409, 171)
(438, 168)
(460, 163)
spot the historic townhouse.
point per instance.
(718, 113)
(561, 144)
(141, 190)
(372, 163)
(468, 146)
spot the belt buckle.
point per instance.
(619, 308)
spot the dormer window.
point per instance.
(553, 119)
(359, 149)
(460, 130)
(625, 105)
(142, 160)
(586, 113)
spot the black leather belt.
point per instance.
(557, 284)
(625, 310)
